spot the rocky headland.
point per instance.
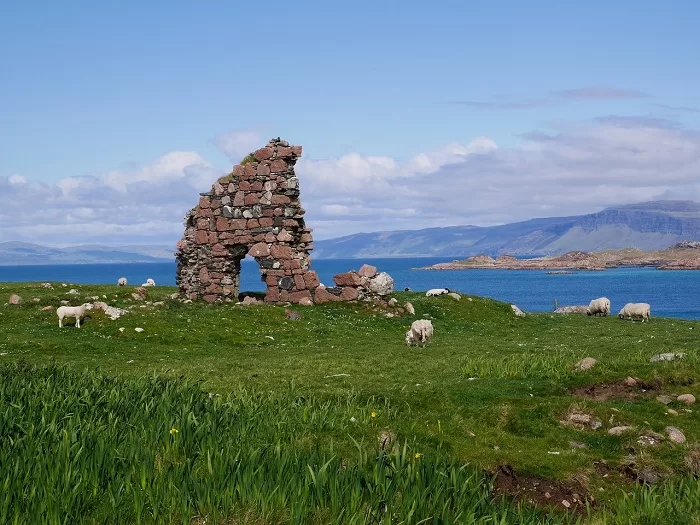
(682, 256)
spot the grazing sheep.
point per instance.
(421, 331)
(437, 291)
(149, 282)
(121, 281)
(635, 311)
(599, 306)
(72, 311)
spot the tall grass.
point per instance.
(78, 447)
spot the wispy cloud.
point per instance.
(600, 93)
(681, 109)
(503, 106)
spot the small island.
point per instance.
(682, 256)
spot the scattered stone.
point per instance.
(64, 302)
(675, 435)
(618, 431)
(469, 299)
(668, 356)
(15, 299)
(517, 311)
(121, 329)
(663, 398)
(292, 315)
(138, 329)
(577, 444)
(585, 364)
(73, 291)
(113, 312)
(387, 439)
(672, 412)
(249, 300)
(353, 419)
(574, 309)
(566, 503)
(306, 301)
(456, 296)
(393, 302)
(36, 300)
(47, 285)
(409, 309)
(688, 399)
(47, 308)
(381, 284)
(631, 381)
(64, 285)
(648, 476)
(367, 270)
(650, 439)
(174, 296)
(582, 421)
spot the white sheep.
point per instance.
(636, 311)
(72, 311)
(421, 331)
(122, 281)
(149, 282)
(599, 306)
(437, 291)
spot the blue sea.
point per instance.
(670, 293)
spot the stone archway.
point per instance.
(255, 210)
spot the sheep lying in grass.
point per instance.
(636, 311)
(421, 331)
(121, 281)
(149, 282)
(599, 306)
(78, 312)
(437, 291)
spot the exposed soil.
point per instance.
(542, 492)
(616, 391)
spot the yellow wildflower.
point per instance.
(418, 455)
(373, 415)
(173, 431)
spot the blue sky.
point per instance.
(109, 91)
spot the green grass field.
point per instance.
(259, 401)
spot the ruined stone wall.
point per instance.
(253, 211)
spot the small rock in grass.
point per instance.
(47, 285)
(663, 398)
(650, 439)
(648, 476)
(292, 315)
(306, 301)
(393, 301)
(47, 308)
(456, 296)
(618, 431)
(138, 329)
(64, 302)
(121, 329)
(583, 421)
(73, 291)
(15, 299)
(577, 444)
(672, 412)
(517, 311)
(675, 435)
(174, 296)
(469, 299)
(631, 381)
(353, 419)
(565, 503)
(668, 356)
(585, 364)
(36, 300)
(688, 399)
(409, 309)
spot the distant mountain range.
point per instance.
(647, 226)
(24, 253)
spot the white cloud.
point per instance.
(236, 144)
(578, 168)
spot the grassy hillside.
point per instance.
(476, 415)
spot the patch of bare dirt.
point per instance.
(621, 391)
(542, 492)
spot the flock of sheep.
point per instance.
(601, 306)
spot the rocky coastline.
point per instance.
(682, 256)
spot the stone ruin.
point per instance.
(255, 210)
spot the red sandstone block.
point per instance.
(244, 185)
(270, 237)
(256, 186)
(239, 224)
(222, 224)
(268, 212)
(202, 224)
(272, 295)
(368, 271)
(231, 187)
(213, 238)
(277, 273)
(263, 153)
(299, 283)
(250, 170)
(253, 223)
(283, 152)
(321, 296)
(238, 170)
(260, 249)
(278, 166)
(311, 279)
(281, 252)
(239, 198)
(349, 294)
(296, 150)
(278, 211)
(258, 238)
(263, 169)
(252, 198)
(290, 223)
(213, 288)
(284, 296)
(218, 189)
(280, 199)
(271, 280)
(204, 276)
(245, 239)
(204, 202)
(206, 213)
(296, 263)
(209, 298)
(347, 279)
(296, 297)
(216, 275)
(306, 237)
(265, 222)
(201, 237)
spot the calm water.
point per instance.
(670, 293)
